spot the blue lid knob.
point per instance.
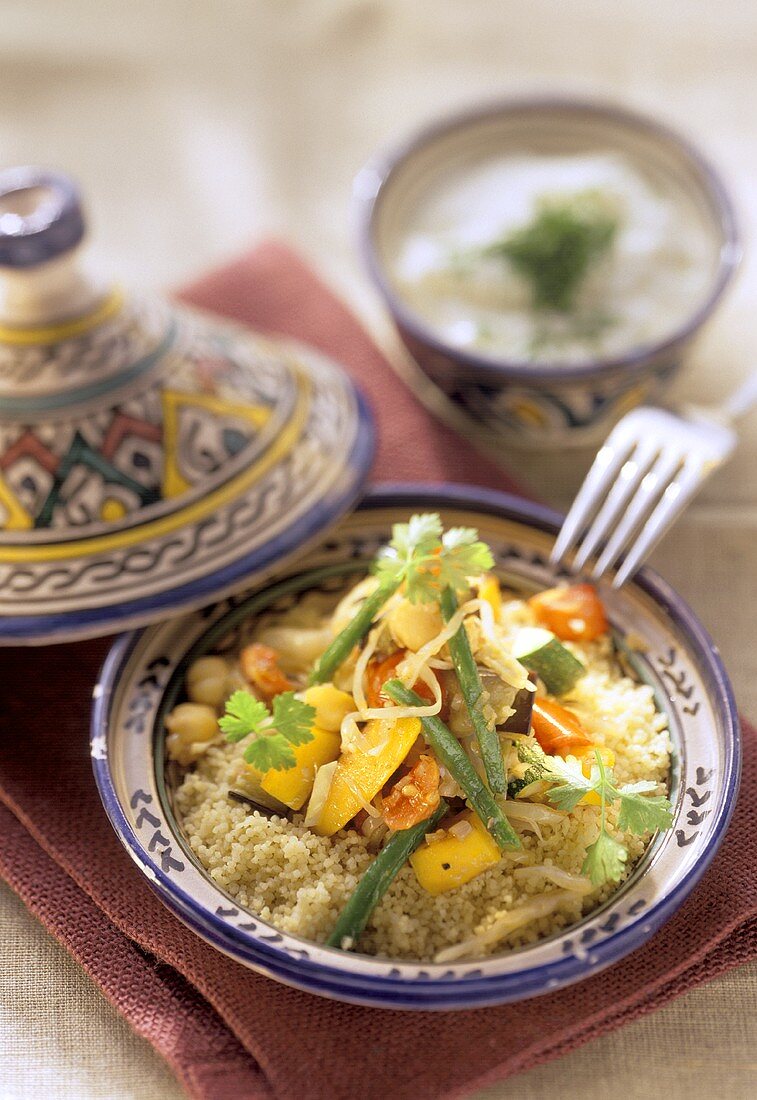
(40, 216)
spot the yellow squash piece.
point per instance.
(490, 591)
(293, 786)
(359, 776)
(331, 705)
(453, 861)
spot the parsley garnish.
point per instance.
(274, 733)
(606, 857)
(428, 561)
(556, 249)
(422, 558)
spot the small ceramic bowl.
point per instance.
(533, 403)
(143, 676)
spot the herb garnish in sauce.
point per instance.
(555, 251)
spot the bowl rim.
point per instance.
(433, 992)
(372, 181)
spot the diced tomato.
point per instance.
(376, 675)
(260, 665)
(574, 614)
(378, 672)
(414, 797)
(558, 730)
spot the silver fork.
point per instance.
(644, 475)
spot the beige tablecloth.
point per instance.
(196, 127)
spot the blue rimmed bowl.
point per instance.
(143, 675)
(542, 404)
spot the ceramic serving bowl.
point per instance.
(541, 404)
(143, 676)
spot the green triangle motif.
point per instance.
(81, 454)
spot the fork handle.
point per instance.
(743, 398)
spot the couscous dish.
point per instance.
(427, 766)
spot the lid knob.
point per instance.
(40, 216)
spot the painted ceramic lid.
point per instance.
(152, 459)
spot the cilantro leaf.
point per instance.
(270, 751)
(462, 556)
(569, 786)
(640, 787)
(273, 735)
(410, 544)
(567, 794)
(430, 561)
(293, 719)
(244, 715)
(424, 559)
(605, 859)
(420, 536)
(422, 582)
(640, 814)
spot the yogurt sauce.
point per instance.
(651, 277)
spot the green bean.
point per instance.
(458, 764)
(472, 689)
(358, 626)
(377, 880)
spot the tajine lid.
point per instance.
(152, 459)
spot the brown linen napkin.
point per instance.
(227, 1032)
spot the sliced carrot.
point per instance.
(378, 672)
(574, 613)
(558, 730)
(414, 797)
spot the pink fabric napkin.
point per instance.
(226, 1031)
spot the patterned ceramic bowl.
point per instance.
(143, 675)
(532, 403)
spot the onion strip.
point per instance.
(580, 884)
(506, 923)
(352, 736)
(531, 815)
(532, 811)
(361, 666)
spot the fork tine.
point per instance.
(631, 473)
(674, 499)
(603, 471)
(646, 497)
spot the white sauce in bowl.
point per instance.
(651, 278)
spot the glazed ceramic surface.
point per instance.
(143, 676)
(538, 404)
(153, 458)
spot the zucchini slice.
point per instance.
(541, 652)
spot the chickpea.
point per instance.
(297, 646)
(331, 705)
(414, 624)
(234, 681)
(206, 681)
(192, 727)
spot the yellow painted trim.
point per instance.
(18, 517)
(53, 334)
(174, 483)
(281, 447)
